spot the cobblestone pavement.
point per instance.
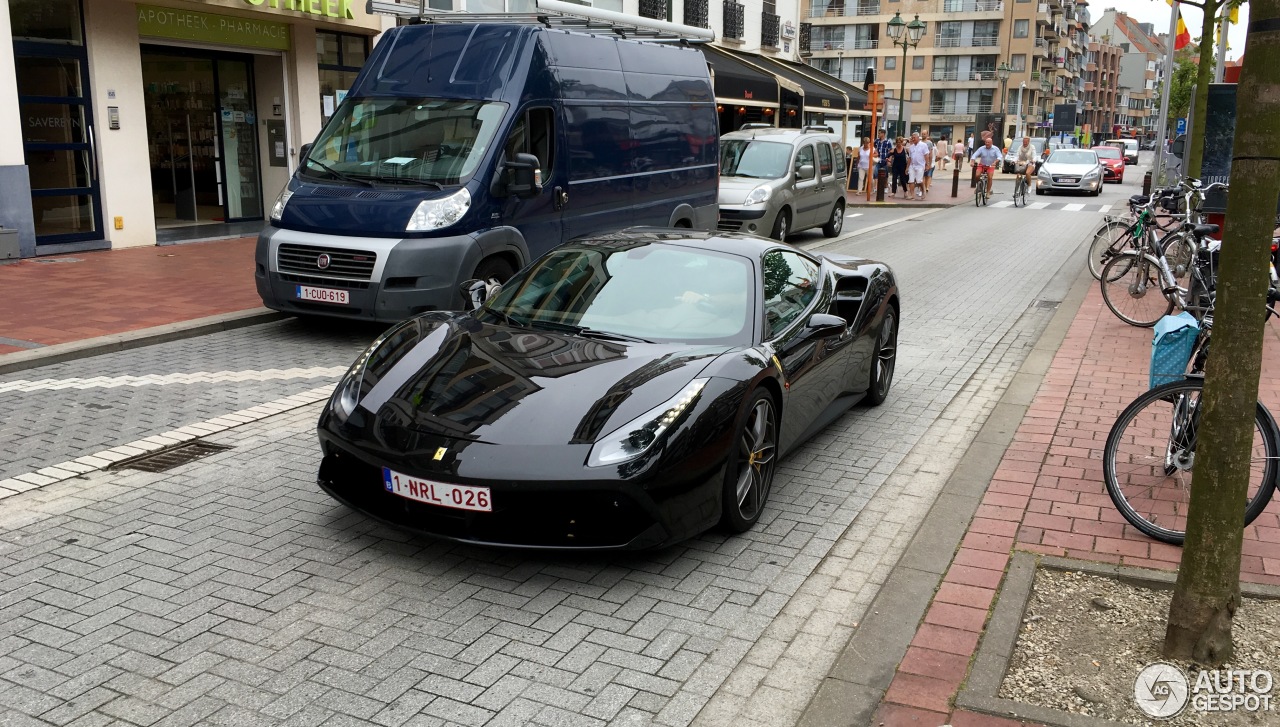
(232, 591)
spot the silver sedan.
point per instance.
(1070, 170)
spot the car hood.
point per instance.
(468, 380)
(1078, 170)
(734, 190)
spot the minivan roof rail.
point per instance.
(552, 14)
(824, 129)
(754, 125)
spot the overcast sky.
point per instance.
(1157, 13)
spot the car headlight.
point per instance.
(433, 214)
(759, 195)
(636, 437)
(277, 209)
(347, 396)
(1093, 175)
(1043, 173)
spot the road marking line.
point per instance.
(1105, 209)
(46, 476)
(1001, 203)
(1038, 205)
(196, 377)
(854, 214)
(1072, 207)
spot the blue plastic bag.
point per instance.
(1171, 344)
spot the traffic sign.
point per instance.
(1182, 125)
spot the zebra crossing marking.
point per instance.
(1073, 208)
(1038, 206)
(1001, 203)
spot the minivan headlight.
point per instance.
(759, 195)
(636, 437)
(433, 214)
(277, 209)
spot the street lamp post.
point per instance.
(1003, 71)
(1022, 111)
(914, 31)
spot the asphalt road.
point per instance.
(231, 591)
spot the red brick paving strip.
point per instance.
(124, 290)
(1047, 496)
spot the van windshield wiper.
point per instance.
(339, 175)
(586, 332)
(410, 180)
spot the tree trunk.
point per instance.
(1208, 588)
(1204, 76)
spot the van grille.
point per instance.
(344, 264)
(728, 225)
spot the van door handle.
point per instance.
(561, 197)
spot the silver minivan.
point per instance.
(774, 182)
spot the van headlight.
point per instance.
(759, 195)
(277, 209)
(433, 214)
(636, 437)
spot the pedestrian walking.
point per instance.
(866, 153)
(918, 152)
(957, 152)
(899, 161)
(883, 147)
(943, 153)
(969, 147)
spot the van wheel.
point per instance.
(494, 268)
(781, 226)
(836, 223)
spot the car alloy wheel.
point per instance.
(883, 363)
(750, 475)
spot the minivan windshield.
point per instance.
(405, 141)
(754, 158)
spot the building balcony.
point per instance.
(821, 44)
(845, 10)
(953, 108)
(977, 41)
(972, 6)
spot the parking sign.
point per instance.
(1182, 125)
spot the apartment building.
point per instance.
(976, 57)
(1141, 69)
(1100, 95)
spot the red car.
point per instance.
(1112, 163)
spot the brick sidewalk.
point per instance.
(65, 298)
(1047, 496)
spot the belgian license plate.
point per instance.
(323, 295)
(459, 497)
(1071, 180)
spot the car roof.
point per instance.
(724, 242)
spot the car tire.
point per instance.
(748, 476)
(883, 360)
(495, 268)
(836, 223)
(781, 226)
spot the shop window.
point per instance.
(49, 21)
(340, 57)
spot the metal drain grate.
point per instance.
(166, 459)
(1047, 303)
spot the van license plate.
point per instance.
(323, 295)
(460, 497)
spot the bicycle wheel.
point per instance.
(1151, 451)
(1110, 239)
(1132, 289)
(1180, 252)
(978, 193)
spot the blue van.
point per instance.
(466, 150)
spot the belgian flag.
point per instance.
(1184, 36)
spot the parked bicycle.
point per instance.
(1148, 216)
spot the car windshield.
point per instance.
(1067, 156)
(1107, 152)
(638, 289)
(754, 158)
(405, 141)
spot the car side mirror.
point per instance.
(1179, 146)
(825, 325)
(526, 175)
(304, 151)
(805, 172)
(476, 292)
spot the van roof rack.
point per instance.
(552, 14)
(823, 129)
(754, 125)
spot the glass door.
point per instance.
(243, 190)
(57, 120)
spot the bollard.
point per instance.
(973, 175)
(1146, 183)
(882, 180)
(955, 182)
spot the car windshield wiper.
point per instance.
(339, 175)
(505, 317)
(410, 180)
(587, 332)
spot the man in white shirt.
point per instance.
(918, 157)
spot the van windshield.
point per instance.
(754, 158)
(405, 141)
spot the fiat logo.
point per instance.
(322, 262)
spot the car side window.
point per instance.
(839, 157)
(534, 133)
(790, 285)
(824, 160)
(804, 156)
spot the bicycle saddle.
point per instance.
(1139, 199)
(1204, 230)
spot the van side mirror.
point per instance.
(476, 292)
(1179, 146)
(805, 172)
(526, 175)
(304, 151)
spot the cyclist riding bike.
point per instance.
(985, 158)
(1026, 161)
